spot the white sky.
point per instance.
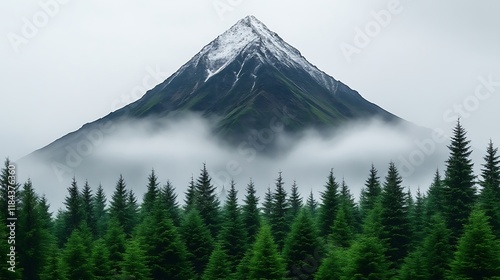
(76, 67)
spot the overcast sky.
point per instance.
(70, 62)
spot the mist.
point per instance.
(177, 149)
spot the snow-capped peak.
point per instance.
(247, 32)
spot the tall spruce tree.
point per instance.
(267, 205)
(490, 194)
(437, 250)
(134, 265)
(342, 231)
(219, 265)
(115, 243)
(478, 253)
(151, 194)
(371, 192)
(331, 266)
(279, 213)
(88, 208)
(100, 212)
(435, 197)
(168, 198)
(266, 262)
(250, 213)
(459, 190)
(417, 217)
(302, 248)
(76, 259)
(395, 220)
(295, 202)
(312, 204)
(99, 261)
(118, 205)
(132, 209)
(352, 215)
(191, 196)
(207, 202)
(329, 205)
(232, 235)
(366, 260)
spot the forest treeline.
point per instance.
(450, 232)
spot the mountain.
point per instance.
(244, 79)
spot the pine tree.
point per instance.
(478, 253)
(134, 265)
(207, 203)
(366, 260)
(331, 266)
(371, 193)
(329, 205)
(250, 213)
(88, 208)
(279, 213)
(31, 236)
(436, 248)
(342, 232)
(219, 265)
(459, 189)
(53, 268)
(76, 258)
(132, 209)
(490, 193)
(73, 214)
(198, 240)
(266, 262)
(100, 212)
(267, 205)
(295, 202)
(435, 197)
(99, 261)
(352, 215)
(151, 194)
(168, 199)
(118, 206)
(414, 267)
(302, 248)
(395, 218)
(191, 196)
(417, 218)
(115, 243)
(312, 204)
(232, 235)
(373, 225)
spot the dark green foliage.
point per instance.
(115, 242)
(132, 209)
(101, 268)
(366, 260)
(168, 198)
(435, 197)
(151, 194)
(119, 204)
(329, 205)
(73, 216)
(436, 249)
(459, 190)
(302, 248)
(53, 268)
(371, 193)
(342, 232)
(312, 204)
(395, 220)
(267, 205)
(198, 240)
(100, 212)
(417, 218)
(207, 202)
(351, 210)
(490, 194)
(76, 259)
(414, 267)
(373, 226)
(295, 202)
(478, 253)
(232, 236)
(190, 200)
(134, 265)
(219, 265)
(279, 213)
(266, 262)
(331, 266)
(88, 207)
(250, 213)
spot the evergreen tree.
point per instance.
(295, 202)
(459, 189)
(417, 218)
(352, 215)
(435, 197)
(132, 209)
(219, 265)
(414, 267)
(151, 194)
(99, 260)
(198, 240)
(395, 218)
(207, 203)
(490, 193)
(115, 243)
(373, 225)
(267, 205)
(342, 232)
(312, 204)
(118, 209)
(100, 212)
(168, 198)
(191, 196)
(134, 264)
(302, 248)
(436, 249)
(279, 213)
(88, 208)
(329, 205)
(73, 214)
(232, 234)
(366, 260)
(331, 266)
(250, 213)
(53, 268)
(371, 193)
(266, 262)
(76, 258)
(31, 236)
(478, 253)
